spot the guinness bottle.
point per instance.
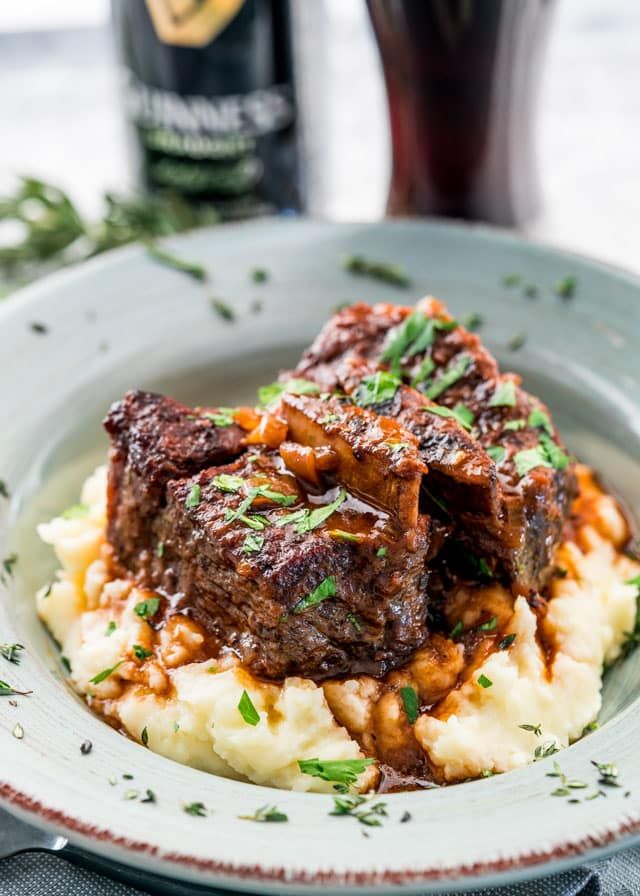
(210, 101)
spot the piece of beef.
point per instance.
(512, 518)
(245, 546)
(155, 439)
(251, 578)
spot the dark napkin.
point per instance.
(42, 874)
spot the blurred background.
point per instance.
(62, 113)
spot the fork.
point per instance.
(17, 836)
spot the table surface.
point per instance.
(60, 118)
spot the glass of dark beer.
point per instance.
(462, 78)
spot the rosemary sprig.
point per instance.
(55, 233)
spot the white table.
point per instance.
(60, 118)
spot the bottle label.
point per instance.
(242, 116)
(191, 23)
(206, 144)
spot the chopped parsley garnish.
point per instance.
(515, 425)
(329, 418)
(11, 652)
(259, 491)
(254, 521)
(266, 813)
(554, 454)
(529, 459)
(228, 482)
(566, 287)
(147, 608)
(378, 270)
(264, 491)
(355, 622)
(424, 371)
(295, 517)
(490, 625)
(507, 641)
(483, 681)
(197, 809)
(253, 544)
(76, 512)
(247, 710)
(414, 336)
(222, 417)
(171, 260)
(345, 536)
(504, 396)
(382, 552)
(259, 275)
(460, 413)
(325, 590)
(511, 280)
(306, 520)
(193, 498)
(590, 728)
(144, 737)
(351, 805)
(102, 676)
(375, 389)
(141, 653)
(516, 341)
(4, 490)
(534, 729)
(496, 453)
(342, 773)
(457, 630)
(160, 549)
(297, 386)
(449, 377)
(223, 310)
(538, 419)
(411, 703)
(110, 629)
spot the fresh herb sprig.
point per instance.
(54, 233)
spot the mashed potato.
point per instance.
(158, 687)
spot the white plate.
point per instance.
(123, 321)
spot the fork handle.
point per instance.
(17, 836)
